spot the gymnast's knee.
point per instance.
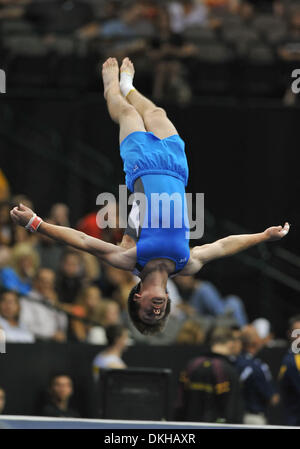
(125, 113)
(155, 112)
(127, 110)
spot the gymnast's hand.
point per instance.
(276, 232)
(21, 214)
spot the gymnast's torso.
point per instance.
(159, 227)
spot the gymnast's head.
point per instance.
(148, 309)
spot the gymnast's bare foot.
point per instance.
(110, 75)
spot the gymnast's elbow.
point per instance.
(84, 243)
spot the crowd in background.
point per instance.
(49, 292)
(52, 292)
(168, 40)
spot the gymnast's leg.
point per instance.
(155, 118)
(119, 109)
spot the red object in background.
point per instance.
(150, 12)
(89, 226)
(78, 310)
(116, 236)
(216, 3)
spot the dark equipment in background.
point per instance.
(135, 394)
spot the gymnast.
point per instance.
(154, 162)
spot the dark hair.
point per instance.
(292, 321)
(221, 335)
(145, 328)
(4, 290)
(59, 374)
(114, 332)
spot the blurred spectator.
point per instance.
(163, 48)
(6, 229)
(122, 282)
(223, 8)
(12, 9)
(9, 319)
(88, 305)
(171, 58)
(2, 400)
(49, 251)
(110, 313)
(278, 7)
(258, 388)
(44, 321)
(23, 266)
(191, 333)
(21, 235)
(185, 287)
(205, 299)
(70, 277)
(289, 375)
(59, 214)
(289, 48)
(180, 309)
(60, 392)
(4, 187)
(133, 21)
(186, 13)
(153, 33)
(209, 389)
(246, 10)
(264, 330)
(91, 267)
(5, 256)
(111, 357)
(237, 345)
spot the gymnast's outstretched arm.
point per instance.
(112, 254)
(234, 244)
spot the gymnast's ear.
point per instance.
(137, 297)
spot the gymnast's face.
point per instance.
(152, 305)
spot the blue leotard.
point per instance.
(157, 166)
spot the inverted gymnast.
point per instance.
(154, 162)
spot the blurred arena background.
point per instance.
(223, 71)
